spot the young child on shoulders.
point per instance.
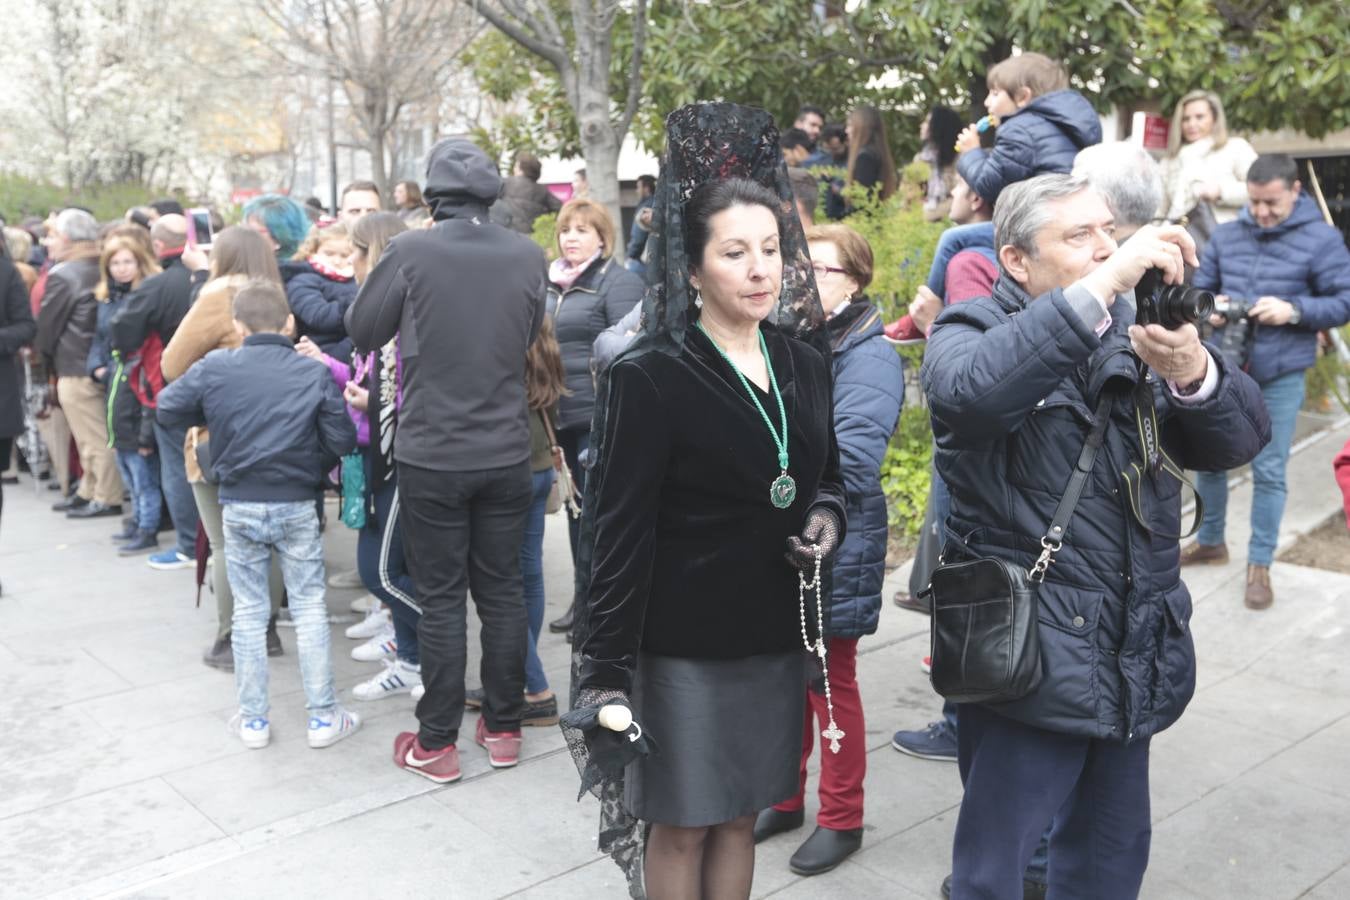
(1041, 126)
(320, 287)
(278, 423)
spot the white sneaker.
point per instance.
(397, 678)
(365, 603)
(380, 646)
(375, 622)
(325, 731)
(254, 731)
(348, 579)
(418, 690)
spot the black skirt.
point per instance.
(729, 734)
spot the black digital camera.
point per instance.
(1169, 305)
(1239, 329)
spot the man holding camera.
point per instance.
(1286, 273)
(1016, 383)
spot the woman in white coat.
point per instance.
(1203, 163)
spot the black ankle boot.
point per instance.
(564, 622)
(825, 849)
(770, 822)
(274, 647)
(221, 655)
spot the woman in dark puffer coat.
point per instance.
(869, 389)
(589, 290)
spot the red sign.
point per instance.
(1156, 129)
(240, 196)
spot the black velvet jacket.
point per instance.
(689, 552)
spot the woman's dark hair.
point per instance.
(239, 250)
(944, 126)
(545, 379)
(373, 232)
(713, 197)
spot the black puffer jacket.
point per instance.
(1013, 386)
(604, 294)
(16, 329)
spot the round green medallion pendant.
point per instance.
(783, 491)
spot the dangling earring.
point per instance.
(698, 299)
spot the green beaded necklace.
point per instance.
(783, 490)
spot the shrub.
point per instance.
(21, 197)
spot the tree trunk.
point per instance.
(379, 171)
(589, 94)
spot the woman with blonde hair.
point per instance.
(123, 264)
(238, 255)
(1204, 163)
(589, 290)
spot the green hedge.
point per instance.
(21, 197)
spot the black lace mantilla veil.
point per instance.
(704, 142)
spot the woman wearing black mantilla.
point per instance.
(716, 492)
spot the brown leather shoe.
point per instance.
(1204, 555)
(1259, 594)
(904, 600)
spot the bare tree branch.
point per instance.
(509, 26)
(630, 106)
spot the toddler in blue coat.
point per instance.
(1041, 126)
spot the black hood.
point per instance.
(461, 179)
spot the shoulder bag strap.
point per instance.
(1059, 523)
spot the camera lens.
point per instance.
(1181, 303)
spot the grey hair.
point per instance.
(1127, 176)
(77, 225)
(1023, 210)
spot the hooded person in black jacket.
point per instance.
(466, 299)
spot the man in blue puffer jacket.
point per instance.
(1293, 268)
(1041, 126)
(1014, 383)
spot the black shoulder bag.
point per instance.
(985, 639)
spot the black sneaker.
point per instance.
(541, 712)
(143, 542)
(274, 647)
(221, 655)
(74, 501)
(129, 530)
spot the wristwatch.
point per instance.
(1296, 315)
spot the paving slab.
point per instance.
(1251, 791)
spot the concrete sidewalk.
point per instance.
(118, 777)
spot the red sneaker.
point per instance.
(503, 747)
(441, 766)
(927, 665)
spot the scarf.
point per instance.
(564, 275)
(380, 371)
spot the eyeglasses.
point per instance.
(822, 270)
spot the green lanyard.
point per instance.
(783, 490)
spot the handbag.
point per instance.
(1200, 223)
(985, 638)
(564, 490)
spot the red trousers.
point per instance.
(841, 774)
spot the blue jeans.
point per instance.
(976, 236)
(252, 532)
(1283, 396)
(384, 571)
(141, 476)
(177, 493)
(532, 569)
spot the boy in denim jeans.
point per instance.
(277, 424)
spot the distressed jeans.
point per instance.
(1283, 396)
(253, 532)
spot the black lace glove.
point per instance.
(599, 753)
(822, 530)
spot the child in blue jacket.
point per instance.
(1041, 126)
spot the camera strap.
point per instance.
(1156, 463)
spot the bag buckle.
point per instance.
(1048, 550)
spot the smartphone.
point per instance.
(199, 228)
